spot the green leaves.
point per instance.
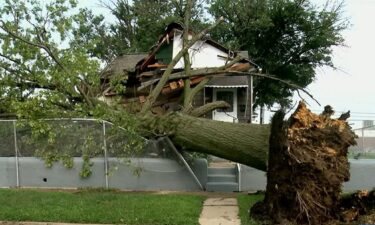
(41, 64)
(140, 23)
(286, 38)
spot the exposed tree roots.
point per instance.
(306, 168)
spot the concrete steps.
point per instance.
(222, 170)
(222, 179)
(222, 186)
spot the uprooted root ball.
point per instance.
(306, 168)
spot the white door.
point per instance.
(228, 95)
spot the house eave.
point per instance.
(226, 86)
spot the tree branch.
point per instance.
(35, 85)
(212, 72)
(207, 71)
(187, 63)
(38, 45)
(16, 61)
(156, 91)
(48, 50)
(198, 72)
(189, 99)
(288, 83)
(202, 110)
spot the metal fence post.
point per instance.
(180, 157)
(239, 176)
(363, 140)
(16, 154)
(105, 156)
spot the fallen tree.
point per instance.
(305, 158)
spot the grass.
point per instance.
(245, 202)
(100, 207)
(361, 155)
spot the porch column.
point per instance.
(250, 98)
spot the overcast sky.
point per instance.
(352, 86)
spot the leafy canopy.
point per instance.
(42, 66)
(140, 23)
(287, 38)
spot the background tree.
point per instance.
(138, 25)
(287, 38)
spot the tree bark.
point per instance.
(209, 107)
(238, 142)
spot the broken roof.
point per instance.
(124, 63)
(169, 33)
(178, 26)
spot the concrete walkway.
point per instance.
(220, 211)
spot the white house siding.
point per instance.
(202, 55)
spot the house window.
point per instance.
(164, 55)
(226, 96)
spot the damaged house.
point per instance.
(141, 72)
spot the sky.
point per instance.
(352, 85)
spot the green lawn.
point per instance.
(244, 204)
(361, 155)
(99, 207)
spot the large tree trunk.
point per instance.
(238, 142)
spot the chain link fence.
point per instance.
(75, 137)
(60, 142)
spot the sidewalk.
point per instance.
(220, 211)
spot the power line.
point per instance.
(367, 113)
(361, 120)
